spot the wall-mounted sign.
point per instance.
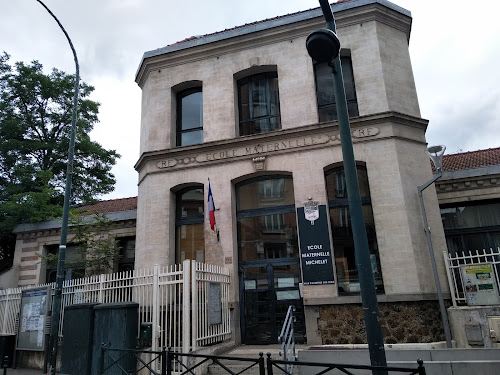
(32, 318)
(315, 249)
(480, 284)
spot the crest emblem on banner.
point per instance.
(311, 211)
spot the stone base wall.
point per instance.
(401, 322)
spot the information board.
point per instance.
(32, 317)
(214, 303)
(480, 284)
(315, 249)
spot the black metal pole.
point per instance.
(442, 308)
(56, 305)
(362, 253)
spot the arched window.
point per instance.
(190, 117)
(258, 103)
(343, 241)
(189, 218)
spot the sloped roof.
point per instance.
(471, 159)
(113, 205)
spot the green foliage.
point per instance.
(97, 248)
(35, 125)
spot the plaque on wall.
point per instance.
(315, 249)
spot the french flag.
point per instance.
(211, 208)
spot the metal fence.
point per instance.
(175, 300)
(455, 262)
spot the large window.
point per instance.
(471, 226)
(267, 227)
(190, 117)
(258, 101)
(327, 108)
(189, 231)
(343, 241)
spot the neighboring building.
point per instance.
(35, 240)
(248, 109)
(469, 198)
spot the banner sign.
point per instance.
(480, 284)
(315, 249)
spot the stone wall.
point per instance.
(402, 322)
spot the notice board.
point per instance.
(32, 317)
(480, 284)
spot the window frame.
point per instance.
(188, 220)
(179, 120)
(352, 103)
(269, 76)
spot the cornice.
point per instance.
(363, 129)
(468, 180)
(252, 37)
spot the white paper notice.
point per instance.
(39, 339)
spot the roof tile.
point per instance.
(471, 159)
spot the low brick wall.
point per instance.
(401, 322)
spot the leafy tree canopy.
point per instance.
(35, 125)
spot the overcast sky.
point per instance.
(454, 46)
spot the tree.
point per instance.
(35, 124)
(97, 248)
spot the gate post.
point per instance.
(169, 361)
(164, 362)
(262, 368)
(155, 307)
(186, 306)
(194, 299)
(269, 365)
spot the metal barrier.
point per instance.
(287, 340)
(185, 363)
(178, 362)
(126, 354)
(272, 364)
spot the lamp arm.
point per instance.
(421, 188)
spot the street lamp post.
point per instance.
(436, 155)
(56, 305)
(324, 46)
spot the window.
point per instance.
(127, 254)
(73, 266)
(189, 219)
(258, 103)
(190, 117)
(327, 109)
(471, 226)
(267, 228)
(343, 241)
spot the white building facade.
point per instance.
(248, 109)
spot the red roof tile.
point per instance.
(113, 205)
(471, 159)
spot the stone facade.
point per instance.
(401, 322)
(388, 137)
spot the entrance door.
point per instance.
(268, 288)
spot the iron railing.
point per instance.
(168, 362)
(287, 340)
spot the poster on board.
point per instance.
(480, 284)
(33, 315)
